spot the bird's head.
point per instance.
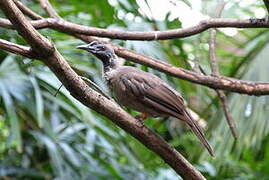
(101, 51)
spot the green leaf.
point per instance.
(38, 102)
(13, 118)
(70, 154)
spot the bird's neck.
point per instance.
(111, 64)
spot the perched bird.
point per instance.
(143, 91)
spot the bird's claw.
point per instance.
(139, 120)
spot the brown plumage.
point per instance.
(143, 91)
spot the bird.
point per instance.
(142, 91)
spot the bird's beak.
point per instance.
(85, 47)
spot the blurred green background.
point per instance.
(47, 137)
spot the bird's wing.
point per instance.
(152, 91)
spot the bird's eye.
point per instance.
(101, 48)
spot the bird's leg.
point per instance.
(141, 117)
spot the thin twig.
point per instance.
(215, 72)
(212, 41)
(160, 35)
(227, 113)
(17, 49)
(212, 53)
(27, 11)
(66, 26)
(45, 4)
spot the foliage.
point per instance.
(48, 137)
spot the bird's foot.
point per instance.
(140, 118)
(139, 121)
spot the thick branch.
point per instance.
(99, 103)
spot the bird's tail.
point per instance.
(196, 129)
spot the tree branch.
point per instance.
(66, 26)
(49, 9)
(224, 83)
(215, 72)
(27, 11)
(212, 53)
(38, 43)
(37, 24)
(226, 110)
(92, 99)
(158, 35)
(17, 49)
